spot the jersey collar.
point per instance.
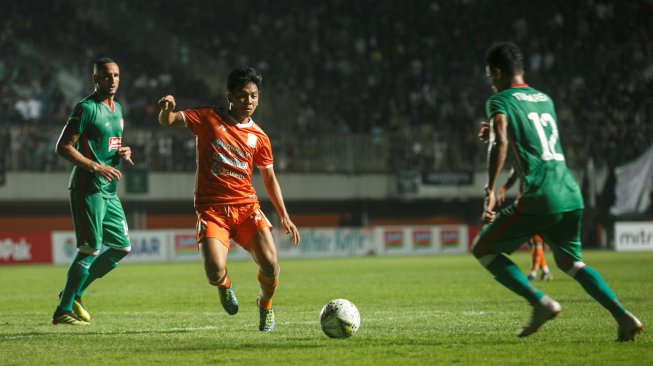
(238, 124)
(522, 85)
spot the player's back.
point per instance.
(535, 150)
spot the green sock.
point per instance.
(77, 274)
(594, 285)
(509, 275)
(104, 263)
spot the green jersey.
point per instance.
(535, 152)
(100, 136)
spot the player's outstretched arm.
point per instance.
(167, 116)
(274, 193)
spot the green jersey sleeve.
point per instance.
(80, 117)
(495, 106)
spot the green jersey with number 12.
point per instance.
(535, 152)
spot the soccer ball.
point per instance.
(340, 318)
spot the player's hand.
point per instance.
(484, 132)
(291, 229)
(167, 103)
(107, 172)
(488, 209)
(126, 153)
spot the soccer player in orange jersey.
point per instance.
(537, 260)
(229, 145)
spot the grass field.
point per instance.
(415, 311)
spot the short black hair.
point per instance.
(243, 76)
(505, 56)
(102, 61)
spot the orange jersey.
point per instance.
(226, 154)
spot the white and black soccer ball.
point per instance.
(340, 318)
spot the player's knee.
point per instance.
(568, 264)
(572, 269)
(216, 278)
(269, 268)
(480, 250)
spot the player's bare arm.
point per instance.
(167, 116)
(66, 149)
(274, 192)
(497, 150)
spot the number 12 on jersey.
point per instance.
(548, 142)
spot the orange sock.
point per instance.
(224, 283)
(535, 260)
(543, 264)
(268, 288)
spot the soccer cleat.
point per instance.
(629, 327)
(266, 319)
(546, 276)
(228, 300)
(531, 277)
(61, 316)
(78, 309)
(546, 310)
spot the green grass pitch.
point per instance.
(428, 310)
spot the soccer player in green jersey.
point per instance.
(523, 129)
(92, 141)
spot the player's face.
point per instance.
(244, 100)
(107, 78)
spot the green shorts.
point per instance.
(510, 230)
(99, 219)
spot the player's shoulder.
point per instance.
(86, 105)
(202, 112)
(256, 127)
(204, 109)
(87, 102)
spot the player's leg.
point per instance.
(508, 231)
(214, 254)
(503, 236)
(546, 273)
(116, 238)
(565, 241)
(264, 252)
(535, 261)
(214, 240)
(88, 213)
(255, 231)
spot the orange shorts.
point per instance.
(231, 222)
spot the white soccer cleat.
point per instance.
(546, 310)
(629, 326)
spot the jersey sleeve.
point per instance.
(263, 158)
(192, 119)
(79, 118)
(494, 106)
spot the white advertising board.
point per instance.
(633, 236)
(146, 246)
(411, 240)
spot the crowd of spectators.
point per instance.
(404, 78)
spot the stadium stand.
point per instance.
(408, 88)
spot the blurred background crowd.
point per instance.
(348, 86)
